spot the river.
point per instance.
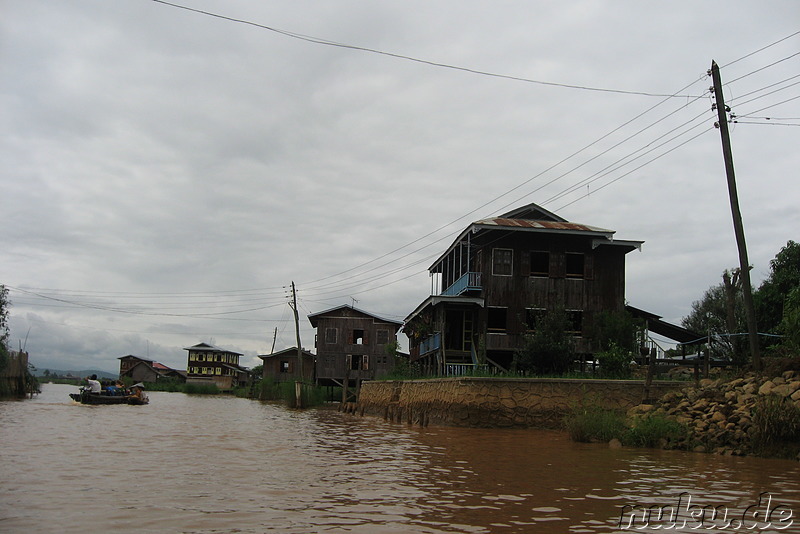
(219, 464)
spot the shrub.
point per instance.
(550, 348)
(200, 389)
(594, 424)
(615, 362)
(776, 420)
(285, 391)
(654, 430)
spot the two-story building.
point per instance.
(500, 274)
(352, 344)
(209, 364)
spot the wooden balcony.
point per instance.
(468, 282)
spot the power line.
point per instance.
(326, 42)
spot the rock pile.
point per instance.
(719, 414)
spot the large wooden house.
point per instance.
(352, 344)
(146, 370)
(500, 274)
(212, 365)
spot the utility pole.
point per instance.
(274, 338)
(298, 385)
(738, 227)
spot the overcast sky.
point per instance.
(166, 174)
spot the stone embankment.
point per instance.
(722, 416)
(498, 402)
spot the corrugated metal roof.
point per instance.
(542, 225)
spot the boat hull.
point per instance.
(93, 398)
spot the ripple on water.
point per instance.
(222, 464)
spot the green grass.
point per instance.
(654, 430)
(200, 389)
(285, 391)
(777, 427)
(590, 424)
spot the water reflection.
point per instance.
(221, 464)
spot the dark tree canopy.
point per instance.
(770, 298)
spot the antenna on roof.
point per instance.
(353, 305)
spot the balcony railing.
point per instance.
(468, 282)
(430, 344)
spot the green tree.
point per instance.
(710, 316)
(550, 348)
(257, 372)
(789, 326)
(784, 277)
(616, 328)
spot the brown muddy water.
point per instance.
(201, 464)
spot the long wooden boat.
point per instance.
(84, 397)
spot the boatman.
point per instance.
(93, 386)
(137, 393)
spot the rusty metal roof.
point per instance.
(542, 225)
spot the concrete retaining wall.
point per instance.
(498, 402)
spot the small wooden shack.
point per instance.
(282, 366)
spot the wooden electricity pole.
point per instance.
(738, 227)
(298, 385)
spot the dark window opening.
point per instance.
(496, 320)
(502, 261)
(354, 362)
(540, 263)
(330, 335)
(383, 337)
(533, 318)
(284, 366)
(575, 318)
(575, 265)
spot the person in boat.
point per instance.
(93, 385)
(112, 389)
(137, 393)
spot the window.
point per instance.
(331, 335)
(533, 317)
(574, 265)
(354, 362)
(284, 366)
(502, 261)
(575, 318)
(383, 337)
(192, 358)
(496, 319)
(359, 337)
(218, 370)
(540, 263)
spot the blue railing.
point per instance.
(468, 282)
(430, 344)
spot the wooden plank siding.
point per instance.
(352, 343)
(525, 267)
